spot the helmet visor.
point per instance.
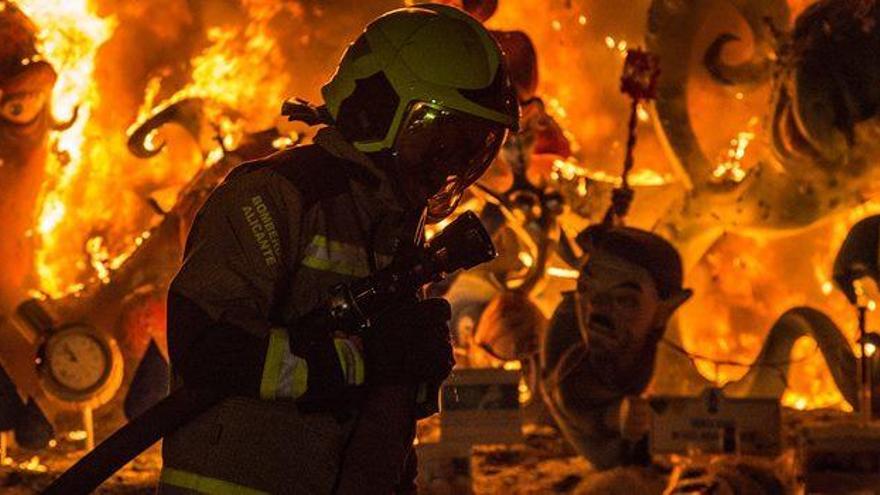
(443, 151)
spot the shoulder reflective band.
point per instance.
(351, 361)
(337, 257)
(204, 484)
(284, 373)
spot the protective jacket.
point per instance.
(264, 250)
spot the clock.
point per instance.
(79, 365)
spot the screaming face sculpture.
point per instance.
(618, 307)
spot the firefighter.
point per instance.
(417, 109)
(598, 353)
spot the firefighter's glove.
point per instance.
(410, 345)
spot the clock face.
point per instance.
(77, 360)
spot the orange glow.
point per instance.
(33, 464)
(93, 211)
(90, 221)
(743, 285)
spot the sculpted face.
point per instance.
(24, 118)
(25, 85)
(618, 306)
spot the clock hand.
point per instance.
(70, 353)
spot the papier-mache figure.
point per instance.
(26, 82)
(598, 352)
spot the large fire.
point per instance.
(71, 35)
(246, 61)
(90, 220)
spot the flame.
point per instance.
(70, 35)
(616, 45)
(33, 464)
(524, 393)
(570, 169)
(90, 219)
(731, 168)
(101, 260)
(239, 70)
(744, 284)
(77, 435)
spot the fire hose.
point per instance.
(461, 245)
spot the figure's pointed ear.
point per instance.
(668, 306)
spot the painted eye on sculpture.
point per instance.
(22, 108)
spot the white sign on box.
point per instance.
(715, 424)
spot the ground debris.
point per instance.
(27, 473)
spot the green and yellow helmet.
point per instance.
(428, 84)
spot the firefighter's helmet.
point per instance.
(428, 84)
